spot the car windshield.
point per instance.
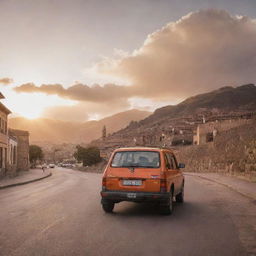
(146, 159)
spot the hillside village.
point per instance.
(174, 132)
(194, 131)
(190, 125)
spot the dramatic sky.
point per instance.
(86, 59)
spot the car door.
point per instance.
(170, 171)
(179, 176)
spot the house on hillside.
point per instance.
(14, 145)
(206, 132)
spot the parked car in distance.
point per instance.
(51, 165)
(68, 165)
(142, 174)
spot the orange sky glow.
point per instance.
(85, 60)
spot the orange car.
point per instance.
(142, 174)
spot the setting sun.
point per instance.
(32, 106)
(33, 114)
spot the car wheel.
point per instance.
(180, 197)
(107, 206)
(167, 208)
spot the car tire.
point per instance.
(167, 208)
(107, 206)
(180, 197)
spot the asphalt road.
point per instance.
(62, 215)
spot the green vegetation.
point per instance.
(35, 153)
(88, 155)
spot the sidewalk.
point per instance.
(24, 178)
(243, 187)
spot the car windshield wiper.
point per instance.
(138, 166)
(147, 166)
(130, 165)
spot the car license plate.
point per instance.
(132, 182)
(131, 195)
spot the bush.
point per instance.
(35, 153)
(88, 155)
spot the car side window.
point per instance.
(174, 162)
(168, 161)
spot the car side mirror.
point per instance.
(181, 165)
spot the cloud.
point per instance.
(79, 92)
(93, 102)
(202, 51)
(6, 81)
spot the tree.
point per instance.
(54, 153)
(35, 153)
(104, 132)
(88, 155)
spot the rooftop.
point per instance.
(15, 132)
(1, 96)
(4, 108)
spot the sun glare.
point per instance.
(32, 106)
(32, 115)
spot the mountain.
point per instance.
(225, 99)
(176, 124)
(56, 131)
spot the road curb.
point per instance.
(249, 196)
(25, 182)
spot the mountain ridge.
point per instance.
(177, 124)
(223, 99)
(57, 131)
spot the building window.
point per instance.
(5, 157)
(10, 154)
(209, 137)
(5, 127)
(1, 157)
(14, 154)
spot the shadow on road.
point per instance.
(152, 210)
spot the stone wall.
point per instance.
(218, 126)
(233, 151)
